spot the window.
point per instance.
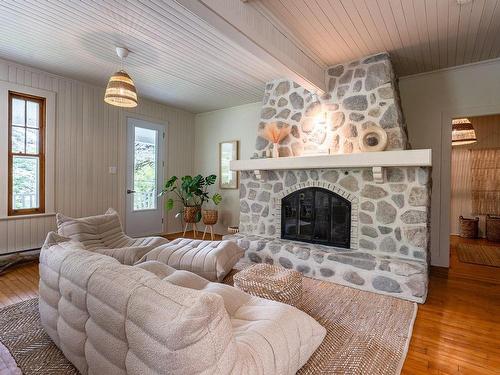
(26, 154)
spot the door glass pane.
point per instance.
(25, 175)
(145, 150)
(18, 112)
(31, 141)
(32, 112)
(18, 139)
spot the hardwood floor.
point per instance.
(457, 331)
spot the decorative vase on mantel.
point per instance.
(275, 152)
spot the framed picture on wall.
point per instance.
(228, 150)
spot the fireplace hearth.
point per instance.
(316, 215)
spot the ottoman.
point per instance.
(212, 260)
(271, 282)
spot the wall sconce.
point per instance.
(322, 117)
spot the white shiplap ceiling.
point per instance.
(176, 58)
(421, 35)
(190, 61)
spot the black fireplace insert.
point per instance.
(316, 215)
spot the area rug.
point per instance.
(367, 333)
(31, 348)
(485, 255)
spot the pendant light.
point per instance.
(462, 132)
(121, 90)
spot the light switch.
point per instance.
(112, 170)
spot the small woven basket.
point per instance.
(210, 217)
(493, 228)
(469, 227)
(272, 282)
(233, 230)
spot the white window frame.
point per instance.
(50, 113)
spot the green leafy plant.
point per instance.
(190, 191)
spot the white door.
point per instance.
(145, 151)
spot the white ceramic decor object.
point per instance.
(372, 139)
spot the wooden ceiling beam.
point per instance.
(247, 27)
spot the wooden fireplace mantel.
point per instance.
(375, 160)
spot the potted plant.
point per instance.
(210, 216)
(192, 193)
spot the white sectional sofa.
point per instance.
(110, 318)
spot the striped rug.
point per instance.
(485, 255)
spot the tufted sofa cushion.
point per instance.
(104, 234)
(108, 318)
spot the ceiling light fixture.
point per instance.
(462, 132)
(121, 90)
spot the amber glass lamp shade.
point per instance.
(462, 132)
(121, 91)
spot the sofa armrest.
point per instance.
(125, 255)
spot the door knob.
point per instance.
(130, 191)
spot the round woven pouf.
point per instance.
(271, 282)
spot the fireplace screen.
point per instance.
(316, 215)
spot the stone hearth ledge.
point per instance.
(398, 277)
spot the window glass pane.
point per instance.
(33, 111)
(25, 176)
(18, 135)
(31, 141)
(18, 112)
(145, 144)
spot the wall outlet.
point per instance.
(112, 170)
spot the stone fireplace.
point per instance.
(357, 219)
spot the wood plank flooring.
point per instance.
(457, 331)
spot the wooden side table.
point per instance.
(272, 282)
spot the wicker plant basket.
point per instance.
(493, 228)
(210, 217)
(190, 213)
(469, 227)
(271, 282)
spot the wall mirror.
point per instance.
(228, 150)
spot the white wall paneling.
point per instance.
(88, 140)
